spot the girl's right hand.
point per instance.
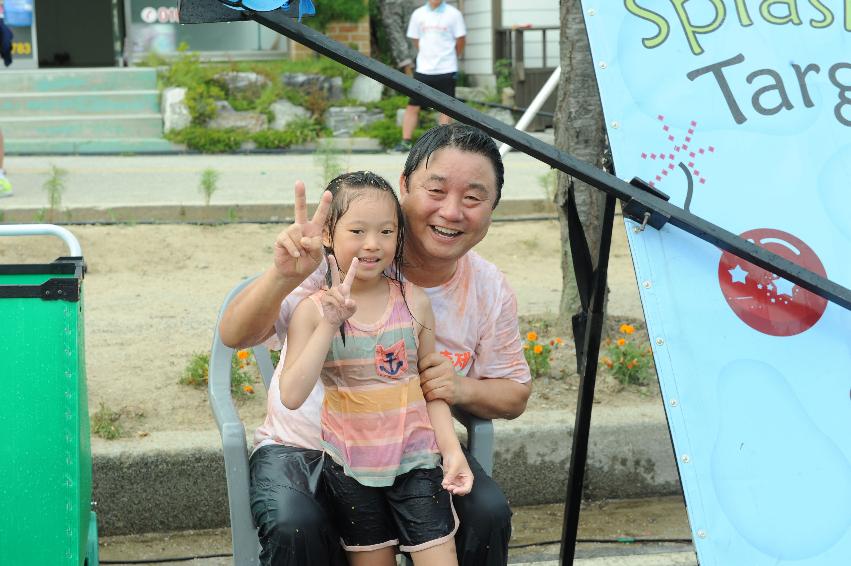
(337, 303)
(457, 475)
(298, 248)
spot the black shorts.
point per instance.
(415, 512)
(443, 83)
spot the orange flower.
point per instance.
(242, 354)
(552, 342)
(609, 363)
(627, 328)
(621, 341)
(630, 365)
(248, 389)
(559, 341)
(538, 349)
(531, 336)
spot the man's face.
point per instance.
(448, 205)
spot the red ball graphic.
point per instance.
(764, 301)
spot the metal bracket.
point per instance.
(65, 289)
(642, 214)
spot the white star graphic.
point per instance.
(783, 286)
(738, 274)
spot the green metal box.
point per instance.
(45, 455)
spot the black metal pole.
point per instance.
(587, 382)
(282, 23)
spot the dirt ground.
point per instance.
(152, 293)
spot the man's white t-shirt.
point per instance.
(437, 31)
(475, 327)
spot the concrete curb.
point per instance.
(174, 481)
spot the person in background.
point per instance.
(6, 54)
(438, 32)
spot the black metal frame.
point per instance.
(53, 289)
(641, 203)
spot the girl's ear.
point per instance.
(326, 237)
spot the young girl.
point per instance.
(363, 337)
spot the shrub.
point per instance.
(197, 373)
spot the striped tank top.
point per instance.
(374, 418)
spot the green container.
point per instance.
(45, 455)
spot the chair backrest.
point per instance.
(246, 545)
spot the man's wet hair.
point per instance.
(459, 136)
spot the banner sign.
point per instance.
(741, 112)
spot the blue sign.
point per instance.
(741, 112)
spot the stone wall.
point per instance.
(354, 35)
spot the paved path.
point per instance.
(249, 180)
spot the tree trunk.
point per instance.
(580, 131)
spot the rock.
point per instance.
(365, 89)
(286, 112)
(474, 93)
(331, 87)
(344, 120)
(228, 118)
(507, 97)
(501, 114)
(242, 82)
(176, 114)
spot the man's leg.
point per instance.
(482, 539)
(286, 502)
(409, 122)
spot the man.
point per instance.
(395, 14)
(438, 33)
(450, 185)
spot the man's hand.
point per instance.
(438, 379)
(298, 248)
(337, 302)
(457, 476)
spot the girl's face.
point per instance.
(367, 231)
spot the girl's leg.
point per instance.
(382, 557)
(440, 555)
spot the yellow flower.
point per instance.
(525, 346)
(531, 336)
(242, 354)
(538, 349)
(621, 341)
(248, 389)
(627, 328)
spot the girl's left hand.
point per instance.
(457, 475)
(337, 303)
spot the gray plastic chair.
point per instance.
(246, 545)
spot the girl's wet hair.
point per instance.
(347, 188)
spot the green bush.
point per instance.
(197, 373)
(207, 140)
(297, 132)
(387, 132)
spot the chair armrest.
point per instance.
(479, 437)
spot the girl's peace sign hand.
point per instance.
(337, 303)
(298, 248)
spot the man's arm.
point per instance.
(459, 46)
(486, 398)
(250, 317)
(502, 386)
